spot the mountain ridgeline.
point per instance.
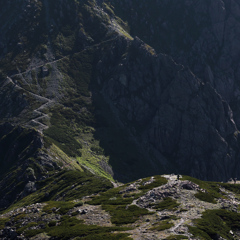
(122, 88)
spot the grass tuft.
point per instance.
(206, 197)
(176, 237)
(167, 204)
(163, 225)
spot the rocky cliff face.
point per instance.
(145, 87)
(177, 117)
(187, 111)
(201, 35)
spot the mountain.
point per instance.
(97, 92)
(125, 94)
(146, 93)
(128, 89)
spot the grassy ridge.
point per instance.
(65, 186)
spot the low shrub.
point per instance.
(121, 214)
(216, 223)
(3, 222)
(71, 227)
(231, 187)
(22, 229)
(158, 181)
(176, 237)
(163, 225)
(59, 207)
(212, 188)
(167, 203)
(206, 197)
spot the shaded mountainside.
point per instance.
(29, 167)
(126, 89)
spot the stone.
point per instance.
(189, 185)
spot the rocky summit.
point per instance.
(97, 93)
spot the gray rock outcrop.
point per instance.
(172, 113)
